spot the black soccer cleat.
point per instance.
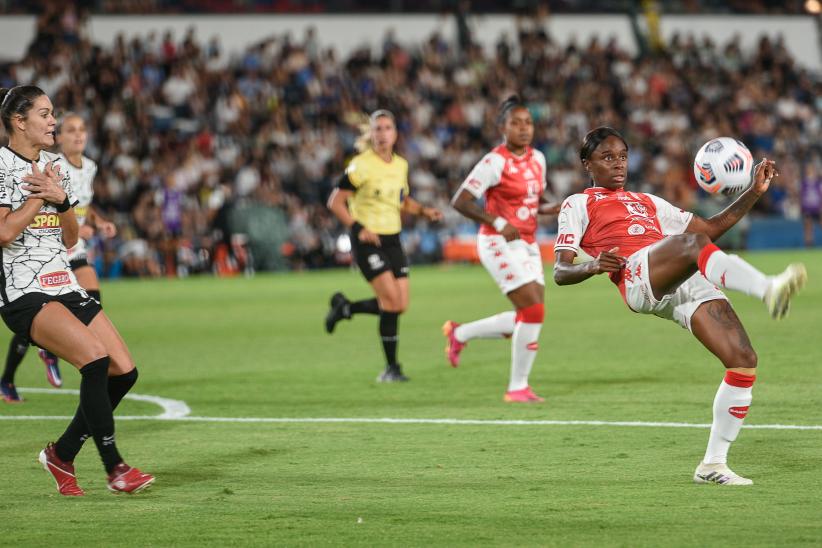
(392, 373)
(339, 310)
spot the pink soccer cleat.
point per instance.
(524, 395)
(125, 479)
(52, 368)
(61, 471)
(453, 347)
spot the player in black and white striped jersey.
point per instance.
(39, 294)
(72, 138)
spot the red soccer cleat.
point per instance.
(61, 471)
(125, 479)
(524, 395)
(453, 347)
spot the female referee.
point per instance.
(664, 262)
(512, 179)
(370, 196)
(41, 298)
(72, 137)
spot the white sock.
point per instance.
(524, 344)
(493, 327)
(732, 272)
(730, 407)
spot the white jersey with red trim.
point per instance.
(600, 220)
(512, 186)
(36, 261)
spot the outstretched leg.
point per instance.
(676, 258)
(457, 335)
(528, 300)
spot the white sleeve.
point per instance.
(672, 220)
(485, 174)
(543, 164)
(573, 221)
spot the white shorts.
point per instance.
(78, 251)
(678, 306)
(511, 264)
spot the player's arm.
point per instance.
(568, 273)
(100, 223)
(338, 204)
(466, 203)
(720, 223)
(410, 205)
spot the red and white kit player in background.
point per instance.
(663, 261)
(511, 178)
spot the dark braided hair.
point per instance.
(594, 138)
(17, 101)
(512, 102)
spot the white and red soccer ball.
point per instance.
(724, 166)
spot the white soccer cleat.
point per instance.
(718, 474)
(783, 287)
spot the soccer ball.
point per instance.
(724, 165)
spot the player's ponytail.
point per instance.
(17, 101)
(363, 142)
(511, 103)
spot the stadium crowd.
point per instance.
(210, 161)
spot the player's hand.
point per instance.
(432, 214)
(510, 233)
(85, 232)
(368, 237)
(763, 173)
(609, 261)
(45, 184)
(106, 228)
(549, 208)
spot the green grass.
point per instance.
(255, 348)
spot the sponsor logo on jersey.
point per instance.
(566, 239)
(45, 221)
(523, 213)
(54, 279)
(636, 230)
(636, 209)
(739, 412)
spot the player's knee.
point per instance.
(747, 358)
(695, 242)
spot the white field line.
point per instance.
(178, 411)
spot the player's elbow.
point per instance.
(6, 236)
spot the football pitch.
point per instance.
(458, 467)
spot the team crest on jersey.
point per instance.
(54, 279)
(636, 209)
(636, 230)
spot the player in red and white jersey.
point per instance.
(41, 299)
(511, 179)
(664, 262)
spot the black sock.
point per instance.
(388, 334)
(18, 347)
(97, 412)
(95, 294)
(365, 306)
(77, 432)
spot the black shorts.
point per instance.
(374, 260)
(19, 313)
(78, 263)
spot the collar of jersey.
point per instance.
(20, 155)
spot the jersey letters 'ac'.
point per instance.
(82, 183)
(36, 261)
(600, 220)
(512, 186)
